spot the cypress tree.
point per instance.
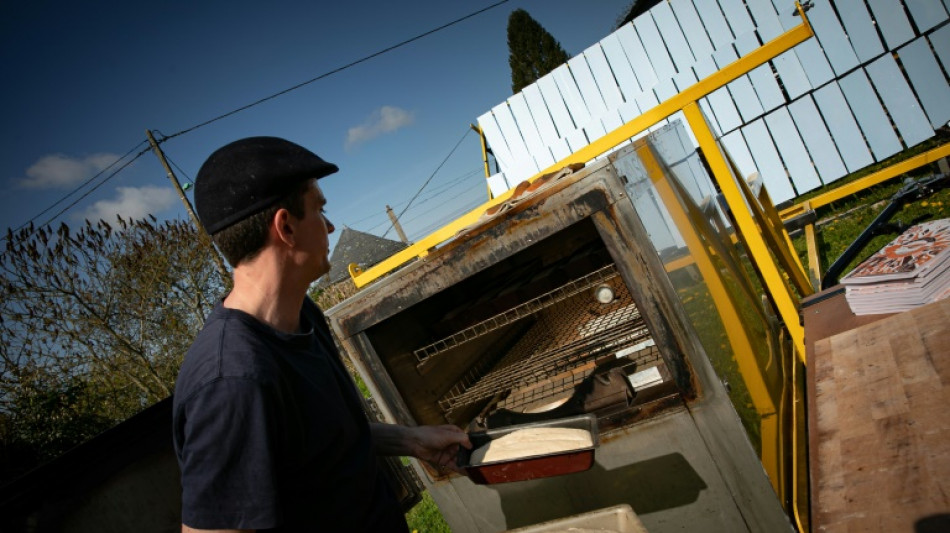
(532, 51)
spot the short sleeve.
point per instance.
(228, 453)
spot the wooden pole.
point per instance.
(392, 216)
(184, 199)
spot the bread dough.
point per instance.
(530, 442)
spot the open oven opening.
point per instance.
(550, 330)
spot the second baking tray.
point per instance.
(533, 466)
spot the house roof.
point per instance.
(357, 247)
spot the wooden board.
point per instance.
(880, 455)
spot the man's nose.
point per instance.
(330, 226)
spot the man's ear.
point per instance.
(283, 227)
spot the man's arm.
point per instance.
(438, 445)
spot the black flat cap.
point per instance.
(249, 175)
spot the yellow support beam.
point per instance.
(774, 280)
(814, 254)
(730, 72)
(696, 234)
(870, 180)
(776, 237)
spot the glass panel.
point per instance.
(890, 18)
(767, 161)
(539, 111)
(655, 49)
(769, 95)
(899, 100)
(714, 22)
(603, 76)
(637, 56)
(809, 53)
(626, 78)
(831, 35)
(522, 164)
(792, 149)
(940, 40)
(817, 139)
(496, 141)
(870, 114)
(928, 81)
(529, 132)
(693, 28)
(572, 96)
(710, 273)
(587, 86)
(673, 36)
(927, 13)
(843, 128)
(737, 16)
(555, 104)
(857, 21)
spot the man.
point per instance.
(268, 427)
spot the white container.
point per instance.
(619, 518)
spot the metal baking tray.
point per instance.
(533, 466)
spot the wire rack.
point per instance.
(534, 397)
(560, 347)
(425, 354)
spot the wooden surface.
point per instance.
(880, 424)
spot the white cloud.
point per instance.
(60, 170)
(131, 202)
(386, 119)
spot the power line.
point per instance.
(81, 185)
(462, 193)
(100, 184)
(334, 71)
(235, 111)
(174, 164)
(435, 193)
(449, 217)
(459, 143)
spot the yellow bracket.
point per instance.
(481, 138)
(870, 180)
(690, 95)
(814, 254)
(785, 300)
(702, 244)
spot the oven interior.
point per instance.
(545, 332)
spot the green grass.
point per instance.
(426, 518)
(840, 223)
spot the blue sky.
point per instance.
(83, 83)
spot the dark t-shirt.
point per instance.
(270, 432)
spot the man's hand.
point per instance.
(437, 445)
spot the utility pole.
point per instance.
(392, 216)
(184, 199)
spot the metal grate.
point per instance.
(560, 346)
(424, 354)
(534, 397)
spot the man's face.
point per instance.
(315, 229)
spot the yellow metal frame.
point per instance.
(807, 206)
(481, 139)
(690, 95)
(870, 180)
(703, 247)
(761, 230)
(753, 234)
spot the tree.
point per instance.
(532, 51)
(94, 324)
(637, 8)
